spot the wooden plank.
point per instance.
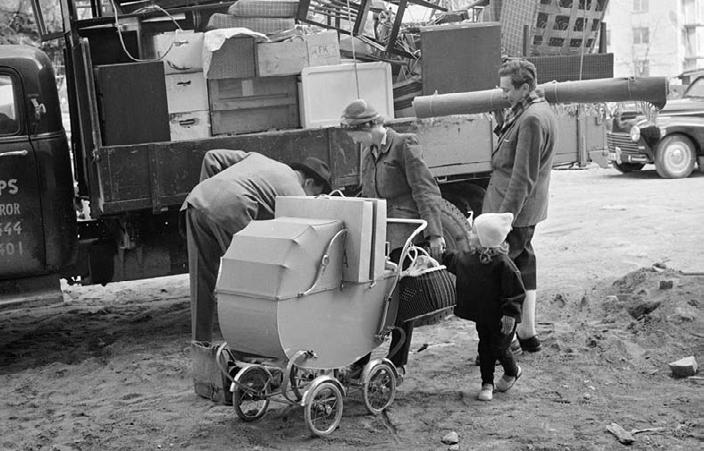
(253, 103)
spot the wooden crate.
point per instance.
(558, 27)
(245, 105)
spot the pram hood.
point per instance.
(279, 258)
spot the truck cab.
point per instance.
(37, 219)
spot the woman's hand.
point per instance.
(437, 247)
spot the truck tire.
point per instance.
(455, 227)
(628, 167)
(675, 157)
(466, 197)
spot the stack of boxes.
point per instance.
(186, 91)
(241, 101)
(227, 81)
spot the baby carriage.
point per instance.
(302, 297)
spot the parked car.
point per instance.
(672, 139)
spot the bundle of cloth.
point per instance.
(262, 16)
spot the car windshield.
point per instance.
(696, 89)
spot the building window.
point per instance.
(641, 35)
(642, 68)
(640, 6)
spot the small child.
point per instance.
(490, 293)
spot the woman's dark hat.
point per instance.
(358, 112)
(316, 169)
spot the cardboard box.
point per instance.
(323, 48)
(181, 51)
(289, 58)
(235, 59)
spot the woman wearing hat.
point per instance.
(393, 169)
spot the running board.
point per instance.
(30, 292)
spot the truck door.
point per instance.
(22, 250)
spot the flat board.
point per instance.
(358, 217)
(339, 83)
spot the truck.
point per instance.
(134, 191)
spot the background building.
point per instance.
(655, 37)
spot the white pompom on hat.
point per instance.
(492, 228)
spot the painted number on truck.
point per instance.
(10, 249)
(10, 228)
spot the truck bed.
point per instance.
(157, 176)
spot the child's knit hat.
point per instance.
(492, 228)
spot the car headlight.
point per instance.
(635, 133)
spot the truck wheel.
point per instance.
(475, 196)
(628, 167)
(455, 227)
(466, 197)
(675, 157)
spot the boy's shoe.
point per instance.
(506, 382)
(531, 344)
(516, 349)
(486, 393)
(401, 374)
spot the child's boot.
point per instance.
(486, 393)
(506, 382)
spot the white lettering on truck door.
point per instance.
(8, 187)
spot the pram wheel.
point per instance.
(251, 396)
(323, 408)
(379, 387)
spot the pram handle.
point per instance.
(324, 261)
(422, 224)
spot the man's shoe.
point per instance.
(531, 344)
(486, 393)
(506, 382)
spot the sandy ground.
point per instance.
(109, 368)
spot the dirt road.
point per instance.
(109, 368)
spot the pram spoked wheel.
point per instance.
(323, 408)
(251, 394)
(379, 387)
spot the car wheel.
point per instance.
(675, 157)
(629, 167)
